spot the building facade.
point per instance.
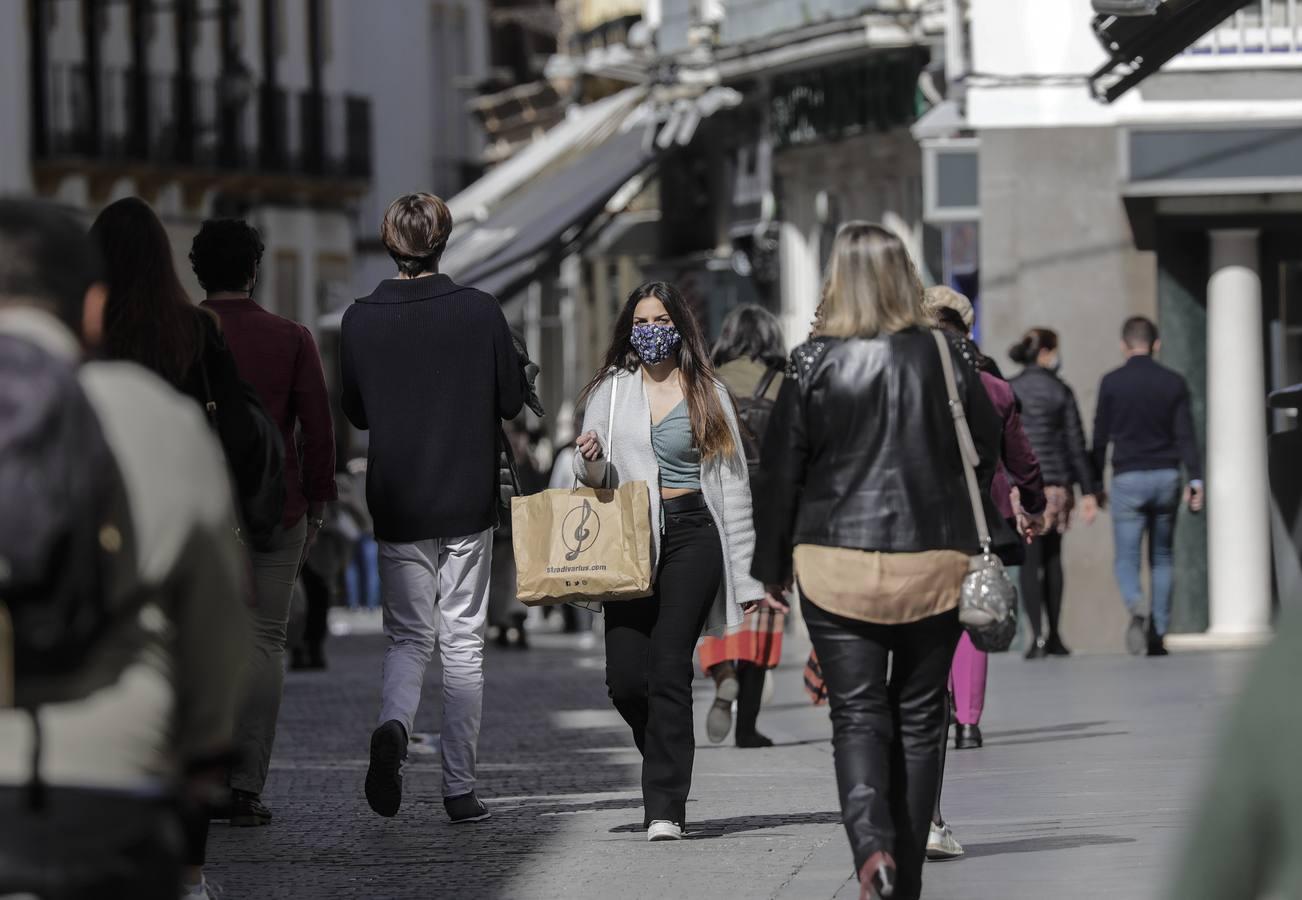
(1180, 201)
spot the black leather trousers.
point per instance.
(887, 693)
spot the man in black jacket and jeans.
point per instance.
(1143, 413)
(429, 367)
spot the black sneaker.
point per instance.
(466, 808)
(1157, 646)
(247, 810)
(1137, 636)
(384, 777)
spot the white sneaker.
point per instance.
(664, 831)
(941, 843)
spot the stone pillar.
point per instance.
(1238, 536)
(800, 281)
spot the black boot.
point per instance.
(750, 678)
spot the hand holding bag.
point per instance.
(584, 544)
(987, 605)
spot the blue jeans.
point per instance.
(363, 575)
(1146, 502)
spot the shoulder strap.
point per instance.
(610, 423)
(763, 387)
(209, 404)
(966, 446)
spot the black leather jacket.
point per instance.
(861, 452)
(1052, 422)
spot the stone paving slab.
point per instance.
(1086, 782)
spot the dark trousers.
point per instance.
(85, 845)
(884, 730)
(649, 646)
(1042, 583)
(317, 624)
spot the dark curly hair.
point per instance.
(225, 254)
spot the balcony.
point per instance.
(1264, 34)
(190, 127)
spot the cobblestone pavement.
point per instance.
(1084, 786)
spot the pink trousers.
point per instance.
(967, 681)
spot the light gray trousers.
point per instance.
(274, 574)
(437, 590)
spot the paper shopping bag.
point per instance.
(583, 544)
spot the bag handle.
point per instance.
(210, 405)
(763, 387)
(966, 446)
(610, 427)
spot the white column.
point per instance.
(800, 281)
(1238, 527)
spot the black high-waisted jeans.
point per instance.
(884, 732)
(649, 646)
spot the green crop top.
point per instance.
(680, 461)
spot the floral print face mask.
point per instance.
(655, 343)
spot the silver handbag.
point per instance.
(987, 604)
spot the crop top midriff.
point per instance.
(679, 460)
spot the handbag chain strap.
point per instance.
(966, 446)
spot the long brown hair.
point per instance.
(710, 429)
(872, 286)
(149, 318)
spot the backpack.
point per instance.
(753, 413)
(66, 543)
(259, 479)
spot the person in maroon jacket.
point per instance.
(1018, 493)
(279, 359)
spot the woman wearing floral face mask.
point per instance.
(675, 428)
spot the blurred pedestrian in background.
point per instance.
(150, 320)
(507, 614)
(279, 359)
(430, 368)
(749, 358)
(131, 513)
(862, 497)
(1143, 414)
(363, 573)
(1017, 491)
(1052, 421)
(656, 403)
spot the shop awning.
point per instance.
(1138, 44)
(584, 127)
(501, 252)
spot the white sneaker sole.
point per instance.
(487, 815)
(660, 838)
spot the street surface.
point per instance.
(1083, 790)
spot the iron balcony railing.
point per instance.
(197, 123)
(1263, 28)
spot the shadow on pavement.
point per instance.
(1040, 844)
(1045, 729)
(714, 828)
(1057, 738)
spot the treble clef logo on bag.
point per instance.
(580, 530)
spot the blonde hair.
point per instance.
(871, 286)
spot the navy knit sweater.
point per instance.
(428, 366)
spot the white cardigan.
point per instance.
(725, 484)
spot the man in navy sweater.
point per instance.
(429, 367)
(1143, 413)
